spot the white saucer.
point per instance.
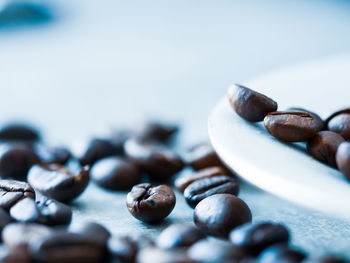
(285, 169)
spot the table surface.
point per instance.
(78, 68)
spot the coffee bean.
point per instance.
(320, 122)
(185, 180)
(58, 155)
(157, 132)
(202, 188)
(157, 255)
(99, 148)
(5, 219)
(291, 126)
(220, 213)
(202, 156)
(53, 213)
(8, 255)
(255, 237)
(179, 235)
(213, 251)
(150, 203)
(280, 254)
(343, 159)
(57, 182)
(67, 247)
(340, 124)
(15, 160)
(18, 132)
(12, 191)
(158, 162)
(26, 211)
(114, 173)
(91, 229)
(342, 111)
(249, 104)
(329, 259)
(323, 147)
(122, 249)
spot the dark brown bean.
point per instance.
(150, 204)
(26, 211)
(213, 251)
(340, 124)
(203, 188)
(57, 182)
(157, 132)
(12, 191)
(114, 173)
(53, 213)
(185, 180)
(8, 255)
(343, 159)
(280, 254)
(179, 235)
(220, 213)
(5, 219)
(157, 255)
(60, 155)
(16, 159)
(317, 117)
(255, 237)
(158, 162)
(249, 104)
(19, 132)
(323, 147)
(291, 126)
(341, 111)
(122, 249)
(91, 229)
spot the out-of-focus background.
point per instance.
(77, 68)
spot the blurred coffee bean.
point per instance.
(150, 203)
(255, 237)
(202, 156)
(343, 159)
(158, 162)
(99, 148)
(157, 255)
(218, 214)
(185, 180)
(19, 132)
(291, 126)
(340, 124)
(328, 259)
(114, 173)
(5, 219)
(249, 104)
(59, 155)
(157, 132)
(213, 251)
(8, 255)
(16, 159)
(67, 247)
(91, 229)
(280, 254)
(53, 213)
(317, 117)
(203, 188)
(341, 111)
(179, 235)
(12, 191)
(122, 249)
(323, 147)
(57, 182)
(26, 211)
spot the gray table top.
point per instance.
(77, 68)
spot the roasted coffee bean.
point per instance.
(57, 182)
(202, 188)
(67, 247)
(280, 254)
(12, 191)
(53, 213)
(320, 122)
(99, 148)
(157, 255)
(114, 173)
(185, 180)
(150, 203)
(342, 111)
(291, 126)
(329, 259)
(249, 104)
(213, 251)
(91, 229)
(218, 214)
(5, 219)
(59, 155)
(343, 159)
(323, 147)
(202, 156)
(8, 255)
(158, 132)
(255, 237)
(158, 162)
(19, 132)
(122, 249)
(26, 210)
(340, 124)
(16, 159)
(179, 235)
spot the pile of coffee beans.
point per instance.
(327, 140)
(39, 182)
